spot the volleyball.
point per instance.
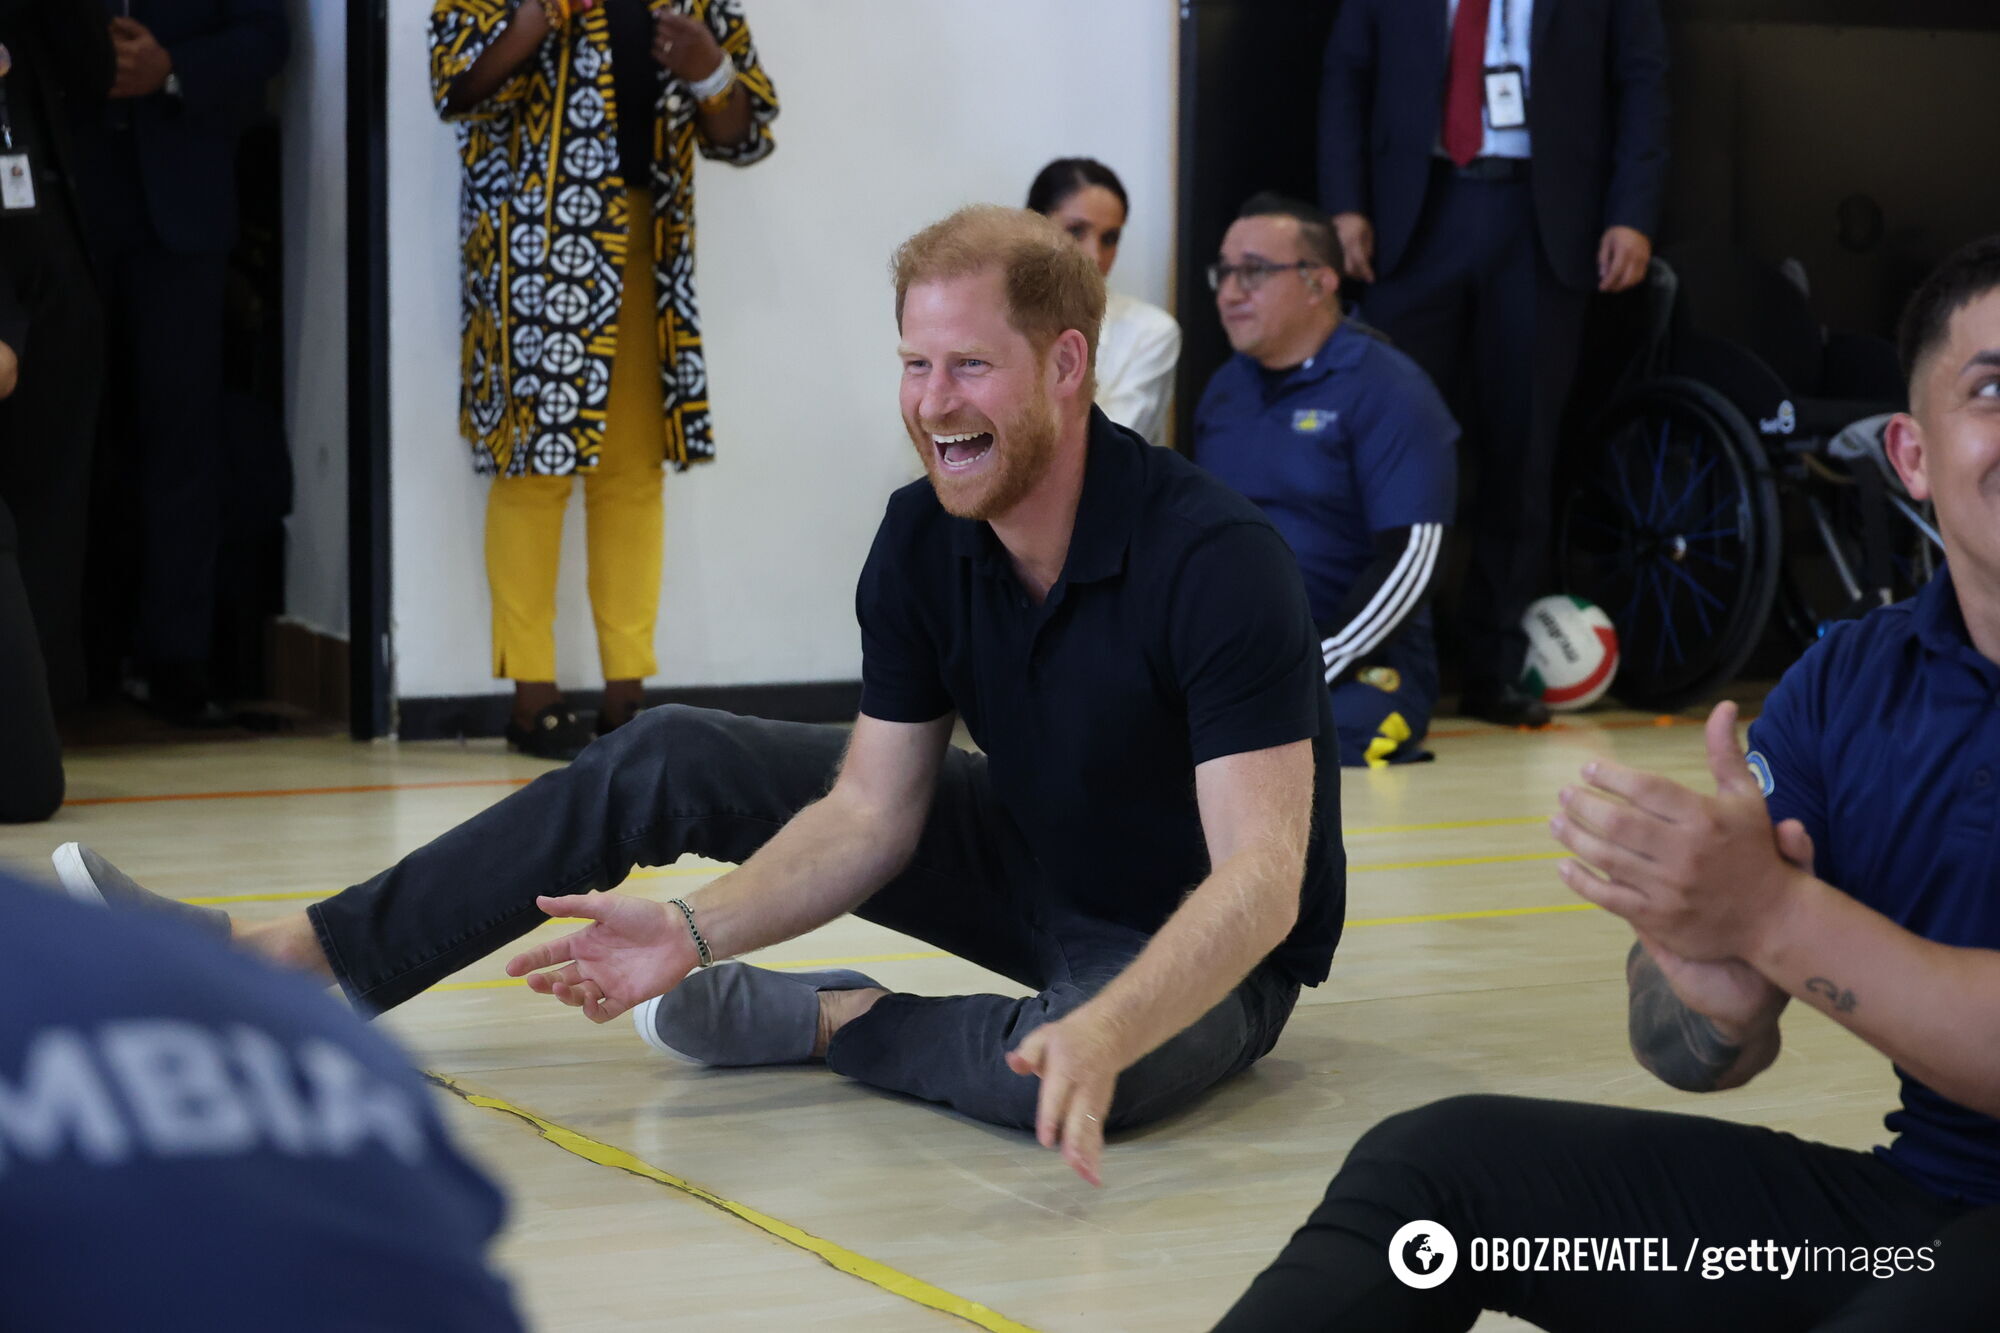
(1572, 652)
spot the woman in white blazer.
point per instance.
(1140, 343)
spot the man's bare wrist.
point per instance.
(1780, 926)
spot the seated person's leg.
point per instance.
(953, 1049)
(675, 780)
(1507, 1167)
(1383, 711)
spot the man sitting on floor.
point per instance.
(1346, 446)
(1125, 638)
(1876, 758)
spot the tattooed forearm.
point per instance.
(1831, 995)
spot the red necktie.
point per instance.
(1463, 84)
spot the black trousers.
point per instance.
(680, 780)
(164, 437)
(31, 775)
(1511, 1167)
(1474, 302)
(48, 428)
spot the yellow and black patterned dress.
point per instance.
(543, 222)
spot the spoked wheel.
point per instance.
(1670, 524)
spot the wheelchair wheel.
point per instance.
(1826, 578)
(1670, 524)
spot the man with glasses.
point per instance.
(1347, 448)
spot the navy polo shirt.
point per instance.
(1354, 442)
(1177, 633)
(1884, 741)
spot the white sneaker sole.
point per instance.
(649, 1032)
(75, 877)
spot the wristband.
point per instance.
(700, 944)
(717, 84)
(557, 13)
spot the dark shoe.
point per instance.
(734, 1014)
(1504, 705)
(178, 692)
(89, 878)
(556, 733)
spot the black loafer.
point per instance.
(1504, 705)
(556, 733)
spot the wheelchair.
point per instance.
(1728, 479)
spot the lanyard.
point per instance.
(6, 120)
(1506, 46)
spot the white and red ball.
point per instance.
(1572, 652)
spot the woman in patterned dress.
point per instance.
(578, 121)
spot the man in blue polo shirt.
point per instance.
(1348, 449)
(1852, 862)
(1142, 843)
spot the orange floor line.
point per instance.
(1618, 724)
(298, 791)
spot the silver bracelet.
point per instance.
(700, 944)
(716, 83)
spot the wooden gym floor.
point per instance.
(650, 1194)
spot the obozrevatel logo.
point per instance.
(1422, 1254)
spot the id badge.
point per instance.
(17, 184)
(1506, 98)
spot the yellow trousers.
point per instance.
(624, 511)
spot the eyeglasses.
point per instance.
(1251, 275)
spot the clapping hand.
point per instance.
(1700, 877)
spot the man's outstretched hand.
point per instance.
(1078, 1060)
(631, 951)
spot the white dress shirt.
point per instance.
(1509, 27)
(1137, 350)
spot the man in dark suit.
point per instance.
(57, 64)
(1488, 163)
(31, 778)
(159, 184)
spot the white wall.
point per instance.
(315, 213)
(894, 113)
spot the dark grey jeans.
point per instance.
(680, 780)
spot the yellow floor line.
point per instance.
(675, 871)
(223, 900)
(1472, 916)
(1511, 821)
(1448, 861)
(501, 983)
(879, 1275)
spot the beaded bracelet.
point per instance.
(700, 944)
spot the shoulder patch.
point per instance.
(1313, 420)
(1762, 768)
